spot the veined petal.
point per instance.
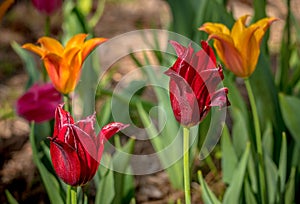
(36, 49)
(228, 53)
(76, 41)
(211, 28)
(238, 29)
(51, 45)
(66, 162)
(89, 45)
(62, 118)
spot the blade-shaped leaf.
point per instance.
(207, 195)
(229, 158)
(232, 194)
(291, 110)
(50, 182)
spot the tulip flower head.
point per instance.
(239, 48)
(39, 103)
(47, 6)
(75, 149)
(63, 64)
(194, 78)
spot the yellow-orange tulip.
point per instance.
(239, 48)
(63, 64)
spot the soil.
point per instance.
(18, 173)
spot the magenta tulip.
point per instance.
(194, 78)
(47, 6)
(39, 103)
(75, 149)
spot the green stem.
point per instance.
(186, 166)
(73, 194)
(258, 142)
(67, 105)
(47, 26)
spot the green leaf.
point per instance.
(120, 163)
(232, 194)
(229, 157)
(249, 195)
(50, 182)
(282, 163)
(240, 133)
(252, 173)
(29, 62)
(10, 198)
(268, 140)
(207, 194)
(105, 189)
(272, 178)
(290, 112)
(290, 188)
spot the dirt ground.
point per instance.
(17, 171)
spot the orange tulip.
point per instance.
(63, 64)
(239, 48)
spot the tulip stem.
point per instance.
(67, 105)
(186, 166)
(71, 195)
(258, 142)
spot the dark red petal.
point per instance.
(183, 101)
(107, 132)
(209, 51)
(220, 99)
(39, 103)
(62, 117)
(66, 162)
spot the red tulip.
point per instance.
(75, 149)
(39, 103)
(47, 6)
(193, 84)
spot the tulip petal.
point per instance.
(107, 132)
(238, 29)
(85, 134)
(76, 41)
(183, 99)
(66, 162)
(228, 53)
(263, 25)
(89, 45)
(219, 98)
(36, 49)
(51, 45)
(212, 63)
(62, 118)
(39, 103)
(250, 49)
(214, 28)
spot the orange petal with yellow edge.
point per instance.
(211, 28)
(76, 41)
(36, 49)
(51, 45)
(231, 56)
(263, 25)
(89, 45)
